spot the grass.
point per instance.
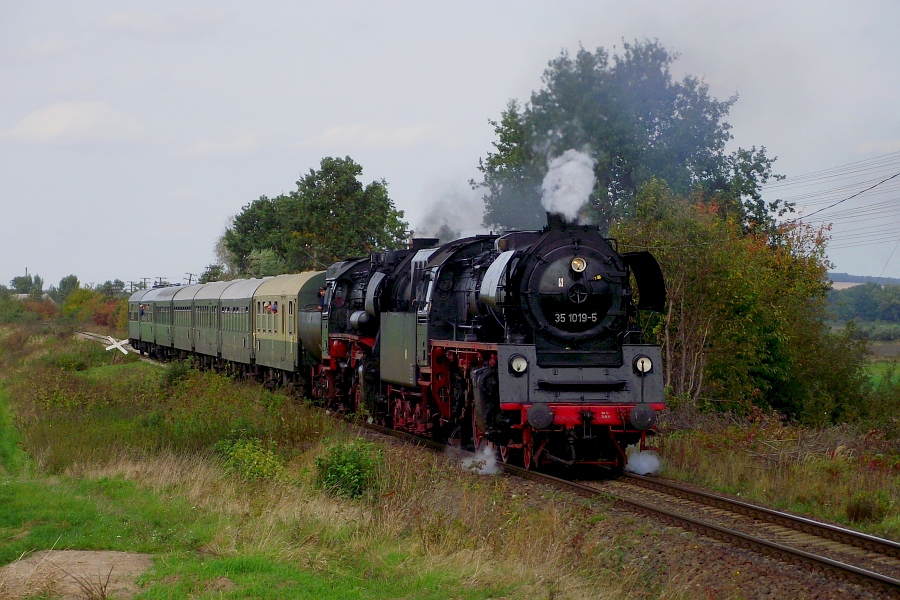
(11, 456)
(879, 369)
(218, 480)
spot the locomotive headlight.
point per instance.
(518, 364)
(642, 364)
(579, 264)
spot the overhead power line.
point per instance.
(853, 196)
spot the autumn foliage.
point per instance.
(744, 324)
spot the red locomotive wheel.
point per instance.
(527, 449)
(528, 456)
(504, 453)
(477, 434)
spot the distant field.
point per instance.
(843, 285)
(885, 350)
(878, 369)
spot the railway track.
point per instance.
(102, 339)
(105, 340)
(828, 549)
(832, 550)
(836, 551)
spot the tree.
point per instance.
(27, 284)
(330, 216)
(213, 272)
(512, 174)
(254, 228)
(112, 289)
(37, 288)
(744, 324)
(67, 285)
(636, 123)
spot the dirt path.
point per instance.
(74, 574)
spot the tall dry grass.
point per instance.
(840, 473)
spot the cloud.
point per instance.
(877, 147)
(367, 135)
(71, 122)
(243, 144)
(44, 50)
(175, 23)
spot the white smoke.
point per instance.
(568, 184)
(455, 211)
(641, 463)
(484, 462)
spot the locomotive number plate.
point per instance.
(575, 317)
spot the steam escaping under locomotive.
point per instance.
(526, 341)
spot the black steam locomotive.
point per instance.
(524, 341)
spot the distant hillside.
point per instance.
(847, 278)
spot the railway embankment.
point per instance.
(217, 482)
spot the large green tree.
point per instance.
(331, 215)
(637, 123)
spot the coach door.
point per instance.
(285, 355)
(290, 317)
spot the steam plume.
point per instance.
(641, 463)
(484, 462)
(454, 212)
(568, 184)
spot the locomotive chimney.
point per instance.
(556, 220)
(423, 243)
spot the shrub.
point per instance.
(349, 470)
(250, 459)
(80, 357)
(175, 372)
(866, 507)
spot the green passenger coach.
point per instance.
(236, 321)
(276, 308)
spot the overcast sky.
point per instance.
(130, 132)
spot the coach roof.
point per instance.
(212, 291)
(291, 285)
(138, 295)
(187, 292)
(242, 290)
(156, 294)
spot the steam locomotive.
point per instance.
(526, 341)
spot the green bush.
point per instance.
(866, 507)
(349, 470)
(175, 372)
(13, 311)
(250, 459)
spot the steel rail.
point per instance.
(828, 531)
